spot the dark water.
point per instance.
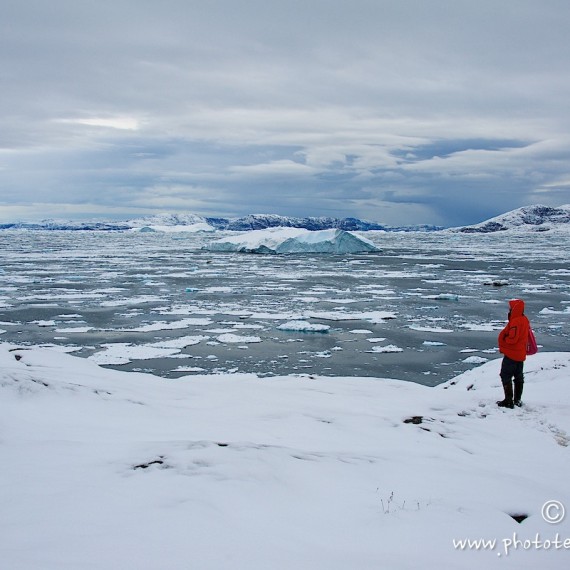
(87, 291)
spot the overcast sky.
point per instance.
(398, 111)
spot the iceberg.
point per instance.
(294, 240)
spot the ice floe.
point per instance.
(73, 330)
(475, 360)
(387, 348)
(422, 328)
(552, 311)
(303, 326)
(118, 353)
(229, 338)
(173, 325)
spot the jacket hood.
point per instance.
(517, 307)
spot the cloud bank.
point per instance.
(443, 112)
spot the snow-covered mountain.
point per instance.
(264, 221)
(194, 222)
(167, 219)
(533, 218)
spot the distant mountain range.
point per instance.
(531, 218)
(194, 222)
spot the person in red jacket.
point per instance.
(512, 344)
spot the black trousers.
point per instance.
(512, 370)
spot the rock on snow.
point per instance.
(294, 240)
(104, 469)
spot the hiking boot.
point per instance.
(508, 401)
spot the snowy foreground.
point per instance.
(113, 470)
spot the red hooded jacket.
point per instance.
(513, 338)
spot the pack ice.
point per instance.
(294, 240)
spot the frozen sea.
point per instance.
(423, 309)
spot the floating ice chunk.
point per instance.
(43, 323)
(323, 354)
(303, 326)
(229, 338)
(429, 329)
(475, 360)
(118, 353)
(374, 317)
(304, 299)
(444, 297)
(174, 325)
(181, 342)
(486, 327)
(294, 240)
(72, 316)
(74, 330)
(136, 300)
(387, 348)
(551, 311)
(433, 343)
(189, 369)
(497, 282)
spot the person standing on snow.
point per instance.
(512, 344)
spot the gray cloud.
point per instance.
(404, 112)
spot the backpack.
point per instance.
(531, 346)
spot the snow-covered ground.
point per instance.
(104, 469)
